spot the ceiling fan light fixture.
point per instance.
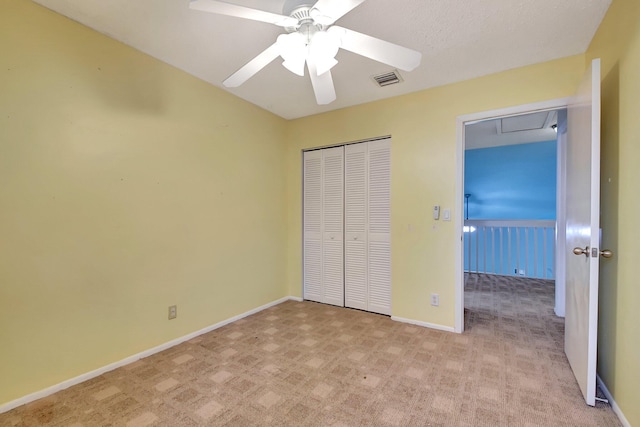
(290, 42)
(325, 64)
(324, 43)
(323, 47)
(293, 50)
(295, 65)
(319, 18)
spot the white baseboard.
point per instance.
(423, 324)
(97, 372)
(614, 405)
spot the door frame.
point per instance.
(461, 121)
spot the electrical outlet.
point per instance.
(173, 311)
(435, 300)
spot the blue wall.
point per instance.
(512, 182)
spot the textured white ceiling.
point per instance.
(520, 129)
(459, 40)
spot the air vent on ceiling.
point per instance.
(387, 79)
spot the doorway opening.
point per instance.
(578, 216)
(510, 200)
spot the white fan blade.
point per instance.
(379, 50)
(223, 8)
(253, 66)
(329, 11)
(322, 85)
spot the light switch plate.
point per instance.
(446, 214)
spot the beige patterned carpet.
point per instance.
(308, 364)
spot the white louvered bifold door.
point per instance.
(379, 222)
(355, 227)
(347, 226)
(368, 226)
(312, 226)
(333, 225)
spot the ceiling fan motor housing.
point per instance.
(301, 10)
(293, 7)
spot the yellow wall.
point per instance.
(617, 43)
(128, 186)
(125, 186)
(423, 130)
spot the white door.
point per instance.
(368, 226)
(583, 222)
(312, 226)
(356, 278)
(333, 225)
(379, 226)
(323, 245)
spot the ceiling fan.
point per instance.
(311, 39)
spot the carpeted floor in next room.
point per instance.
(308, 364)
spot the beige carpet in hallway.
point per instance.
(308, 364)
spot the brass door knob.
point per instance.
(606, 253)
(580, 251)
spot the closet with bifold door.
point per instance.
(347, 225)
